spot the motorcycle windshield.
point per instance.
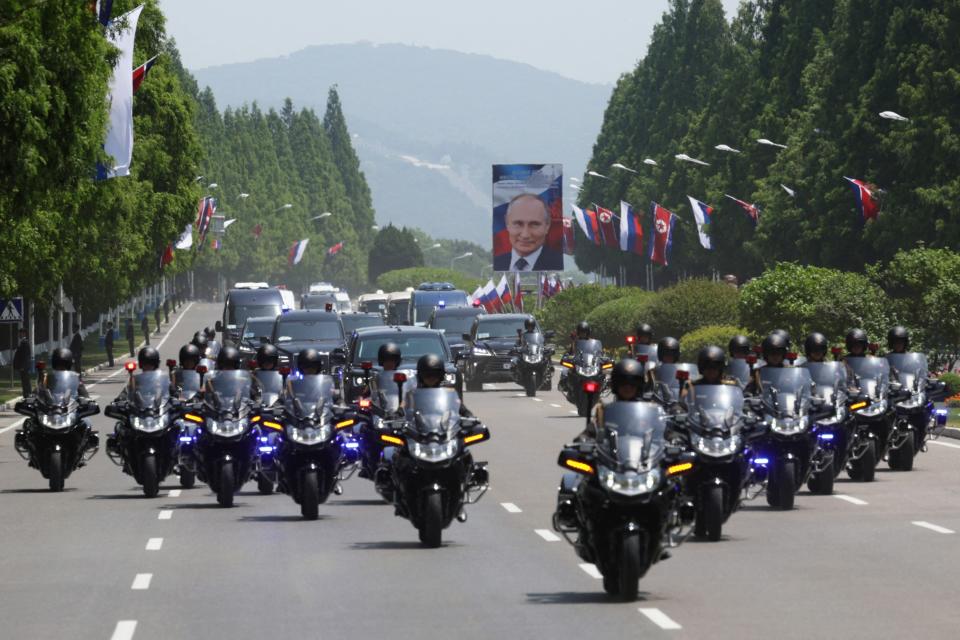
(786, 390)
(309, 395)
(389, 392)
(911, 369)
(61, 387)
(829, 379)
(633, 434)
(589, 347)
(151, 389)
(270, 384)
(434, 411)
(873, 374)
(189, 382)
(740, 370)
(666, 374)
(715, 408)
(228, 390)
(532, 343)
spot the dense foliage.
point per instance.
(719, 335)
(402, 278)
(393, 248)
(613, 320)
(691, 304)
(563, 311)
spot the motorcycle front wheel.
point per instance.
(431, 532)
(148, 474)
(225, 490)
(310, 496)
(780, 488)
(55, 470)
(710, 517)
(630, 567)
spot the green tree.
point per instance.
(393, 249)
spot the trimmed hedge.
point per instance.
(613, 320)
(691, 343)
(692, 304)
(563, 311)
(400, 279)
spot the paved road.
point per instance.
(90, 561)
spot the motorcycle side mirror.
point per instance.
(130, 367)
(40, 365)
(836, 351)
(643, 358)
(252, 365)
(338, 356)
(751, 360)
(683, 375)
(791, 356)
(171, 363)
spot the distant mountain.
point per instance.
(428, 123)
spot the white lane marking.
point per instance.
(547, 535)
(850, 499)
(554, 405)
(13, 426)
(944, 444)
(154, 544)
(932, 527)
(174, 493)
(591, 570)
(510, 507)
(124, 630)
(165, 514)
(574, 412)
(537, 399)
(660, 619)
(141, 582)
(174, 326)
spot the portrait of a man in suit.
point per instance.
(528, 221)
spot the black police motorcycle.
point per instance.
(532, 365)
(670, 378)
(630, 505)
(311, 455)
(144, 442)
(387, 388)
(835, 429)
(224, 451)
(432, 470)
(586, 364)
(874, 417)
(915, 419)
(56, 439)
(185, 384)
(267, 386)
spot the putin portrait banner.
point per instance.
(528, 217)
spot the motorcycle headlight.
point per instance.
(358, 381)
(532, 358)
(227, 428)
(149, 424)
(790, 425)
(58, 420)
(480, 351)
(630, 483)
(310, 435)
(716, 447)
(433, 451)
(875, 409)
(588, 371)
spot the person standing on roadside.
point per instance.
(156, 316)
(108, 344)
(166, 310)
(130, 335)
(21, 361)
(76, 346)
(145, 327)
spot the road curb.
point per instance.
(951, 432)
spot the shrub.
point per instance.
(400, 279)
(953, 383)
(615, 319)
(691, 343)
(563, 311)
(692, 304)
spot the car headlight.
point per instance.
(630, 483)
(227, 428)
(716, 447)
(311, 434)
(875, 409)
(532, 358)
(480, 351)
(790, 425)
(450, 379)
(588, 371)
(149, 424)
(433, 451)
(58, 420)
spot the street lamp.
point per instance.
(375, 227)
(575, 187)
(617, 165)
(597, 175)
(466, 255)
(325, 214)
(286, 206)
(244, 196)
(435, 245)
(212, 185)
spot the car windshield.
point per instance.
(633, 434)
(453, 325)
(375, 306)
(352, 321)
(494, 328)
(411, 346)
(308, 330)
(318, 302)
(240, 313)
(256, 328)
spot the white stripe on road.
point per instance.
(850, 499)
(555, 406)
(537, 399)
(660, 619)
(944, 444)
(154, 544)
(174, 493)
(124, 630)
(141, 582)
(933, 527)
(165, 514)
(574, 412)
(547, 535)
(591, 570)
(510, 507)
(13, 426)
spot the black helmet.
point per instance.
(772, 343)
(210, 333)
(309, 361)
(189, 356)
(429, 364)
(388, 351)
(148, 357)
(61, 359)
(856, 336)
(898, 334)
(267, 353)
(530, 324)
(627, 371)
(738, 345)
(200, 341)
(786, 337)
(644, 330)
(583, 327)
(816, 342)
(668, 346)
(711, 356)
(228, 359)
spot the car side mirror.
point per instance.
(264, 340)
(218, 326)
(338, 356)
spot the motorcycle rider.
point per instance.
(856, 342)
(389, 356)
(228, 359)
(582, 332)
(267, 357)
(711, 363)
(189, 358)
(774, 351)
(62, 360)
(815, 347)
(898, 339)
(644, 334)
(668, 350)
(430, 374)
(529, 326)
(739, 347)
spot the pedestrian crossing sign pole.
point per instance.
(11, 310)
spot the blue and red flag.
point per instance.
(297, 249)
(488, 297)
(662, 241)
(335, 249)
(588, 224)
(703, 213)
(631, 231)
(608, 228)
(141, 72)
(205, 213)
(102, 9)
(752, 210)
(569, 242)
(503, 292)
(216, 244)
(867, 202)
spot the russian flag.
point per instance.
(488, 297)
(141, 72)
(517, 292)
(704, 216)
(503, 292)
(867, 203)
(588, 224)
(631, 231)
(297, 249)
(102, 9)
(608, 230)
(569, 242)
(662, 240)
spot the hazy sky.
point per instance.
(590, 40)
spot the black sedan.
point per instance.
(486, 358)
(454, 322)
(320, 330)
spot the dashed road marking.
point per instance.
(660, 619)
(174, 493)
(554, 405)
(141, 582)
(510, 507)
(591, 570)
(547, 535)
(165, 514)
(154, 544)
(124, 630)
(537, 399)
(574, 412)
(944, 444)
(850, 499)
(932, 527)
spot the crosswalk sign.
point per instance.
(11, 310)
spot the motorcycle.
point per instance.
(56, 438)
(375, 455)
(268, 385)
(915, 417)
(586, 364)
(874, 420)
(310, 458)
(837, 437)
(624, 499)
(432, 470)
(670, 377)
(185, 384)
(224, 447)
(144, 442)
(532, 367)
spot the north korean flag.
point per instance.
(662, 240)
(608, 228)
(867, 202)
(141, 72)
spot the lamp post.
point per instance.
(466, 255)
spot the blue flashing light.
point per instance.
(264, 439)
(442, 304)
(826, 436)
(942, 412)
(352, 445)
(266, 449)
(761, 461)
(186, 438)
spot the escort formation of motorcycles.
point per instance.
(669, 449)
